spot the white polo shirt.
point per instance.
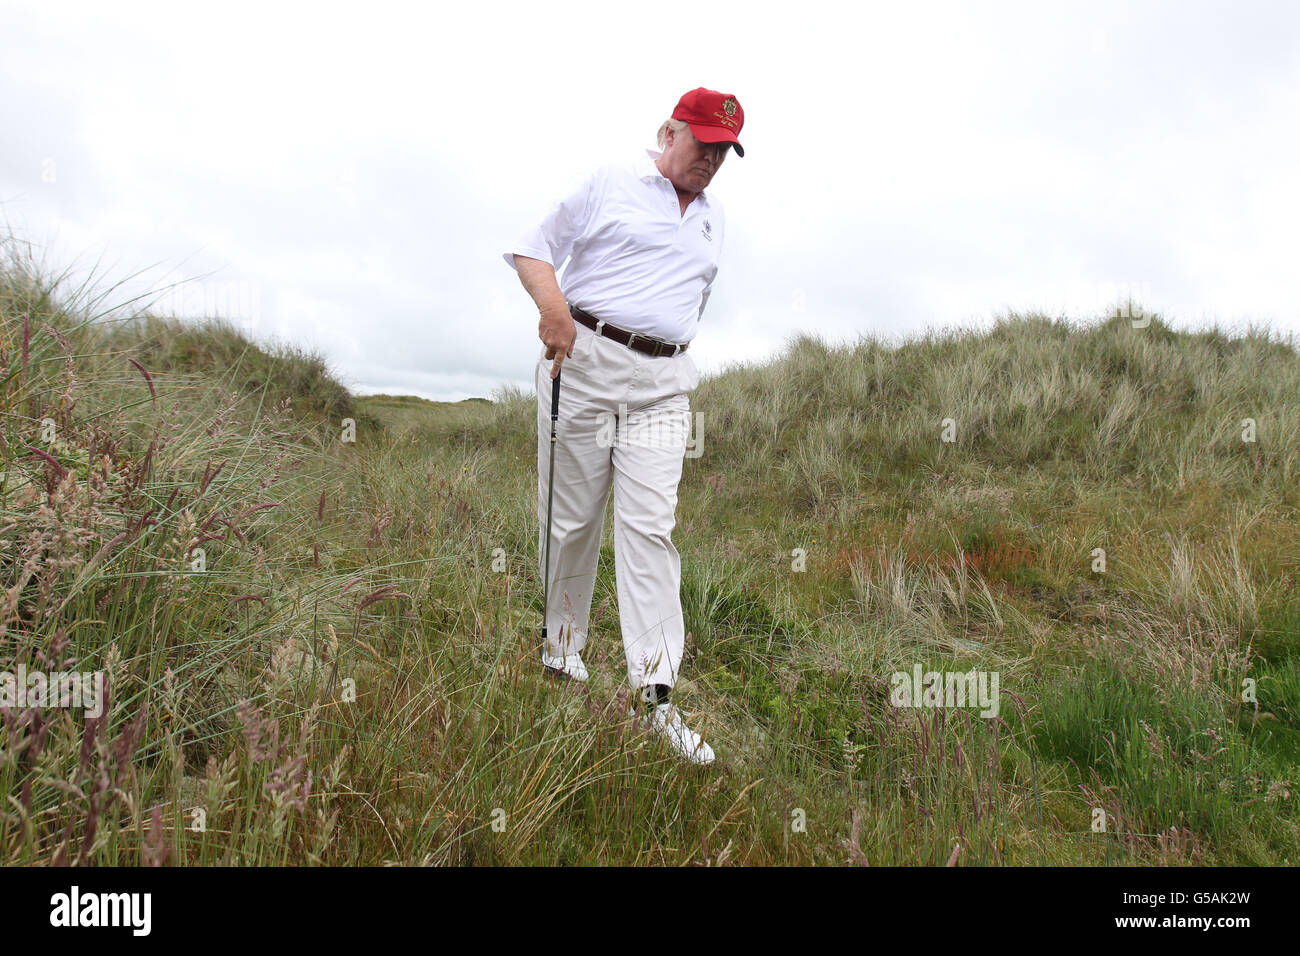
(632, 258)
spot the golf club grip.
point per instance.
(555, 397)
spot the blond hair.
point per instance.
(675, 125)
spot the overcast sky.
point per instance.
(346, 176)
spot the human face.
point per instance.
(689, 164)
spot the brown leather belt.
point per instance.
(656, 348)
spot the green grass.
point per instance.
(364, 611)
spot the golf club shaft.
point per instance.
(550, 493)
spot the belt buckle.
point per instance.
(631, 337)
(600, 324)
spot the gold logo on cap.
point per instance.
(730, 106)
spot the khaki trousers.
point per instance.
(624, 420)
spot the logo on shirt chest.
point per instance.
(707, 231)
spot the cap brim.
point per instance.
(716, 134)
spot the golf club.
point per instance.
(550, 491)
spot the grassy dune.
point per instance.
(317, 612)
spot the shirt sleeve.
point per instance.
(552, 239)
(708, 288)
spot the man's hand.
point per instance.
(556, 327)
(558, 332)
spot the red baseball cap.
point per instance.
(712, 116)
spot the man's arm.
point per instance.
(540, 252)
(555, 326)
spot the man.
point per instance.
(641, 241)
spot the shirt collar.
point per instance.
(647, 170)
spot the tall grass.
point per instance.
(323, 651)
(160, 527)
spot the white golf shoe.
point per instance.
(666, 721)
(570, 666)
